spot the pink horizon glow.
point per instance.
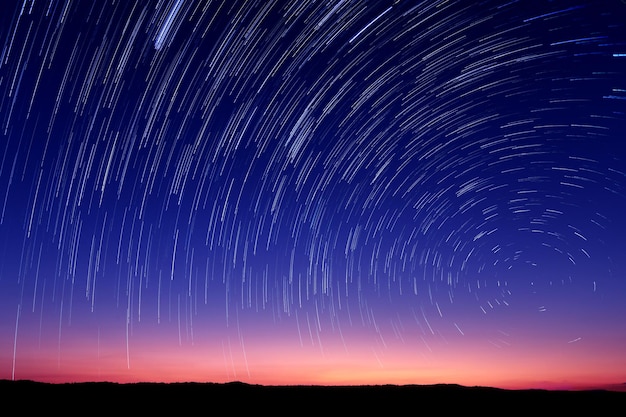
(256, 360)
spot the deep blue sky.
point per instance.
(412, 180)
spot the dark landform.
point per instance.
(235, 397)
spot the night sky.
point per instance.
(308, 192)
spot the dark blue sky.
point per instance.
(385, 169)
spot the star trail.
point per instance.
(313, 192)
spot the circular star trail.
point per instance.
(342, 173)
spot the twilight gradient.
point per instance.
(299, 192)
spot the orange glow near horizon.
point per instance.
(269, 363)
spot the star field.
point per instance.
(392, 191)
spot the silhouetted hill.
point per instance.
(237, 397)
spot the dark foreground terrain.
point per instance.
(236, 398)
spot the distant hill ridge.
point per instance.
(109, 398)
